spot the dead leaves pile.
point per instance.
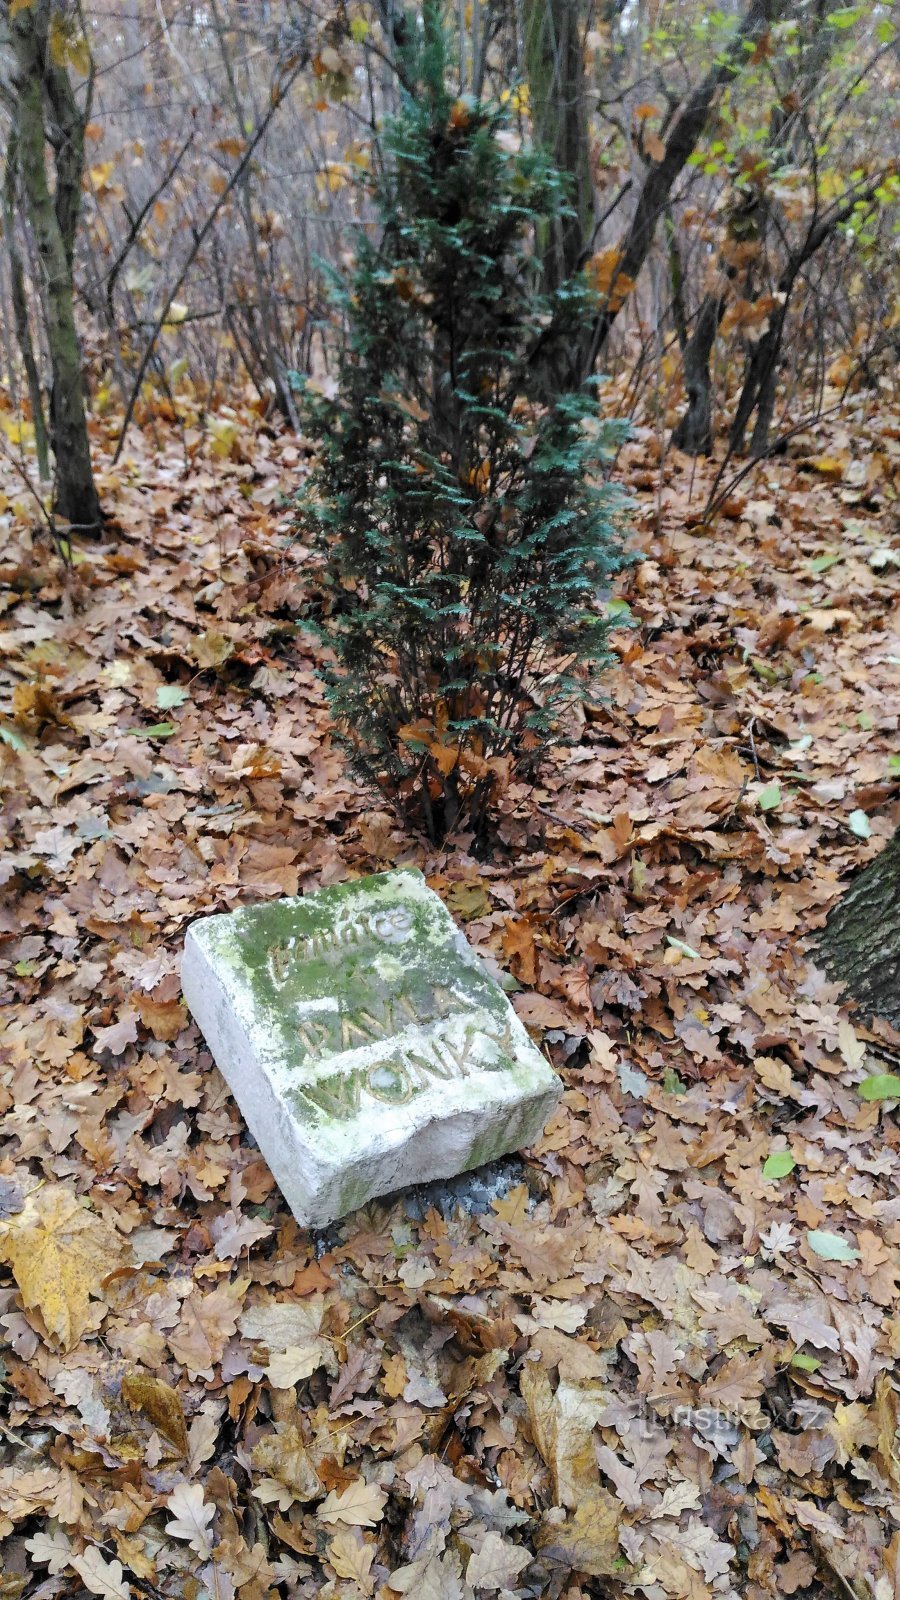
(662, 1363)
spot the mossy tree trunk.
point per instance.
(47, 112)
(860, 944)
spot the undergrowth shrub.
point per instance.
(459, 507)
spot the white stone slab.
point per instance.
(364, 1042)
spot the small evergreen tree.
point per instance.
(459, 506)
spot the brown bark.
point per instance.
(860, 944)
(48, 113)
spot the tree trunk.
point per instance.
(762, 364)
(554, 60)
(860, 943)
(20, 311)
(690, 120)
(758, 391)
(43, 91)
(694, 431)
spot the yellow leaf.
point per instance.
(829, 466)
(224, 434)
(19, 5)
(161, 1404)
(59, 1251)
(336, 174)
(57, 40)
(68, 46)
(80, 54)
(101, 174)
(589, 1539)
(603, 275)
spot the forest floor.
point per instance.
(641, 1358)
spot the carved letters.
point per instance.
(409, 1069)
(393, 926)
(453, 1049)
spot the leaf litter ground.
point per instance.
(659, 1356)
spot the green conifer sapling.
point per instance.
(459, 506)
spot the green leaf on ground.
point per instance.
(157, 730)
(13, 739)
(769, 797)
(686, 949)
(778, 1164)
(882, 1086)
(170, 695)
(830, 1246)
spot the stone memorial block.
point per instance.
(364, 1042)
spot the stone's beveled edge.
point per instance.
(442, 1148)
(257, 1100)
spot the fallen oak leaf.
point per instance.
(191, 1518)
(290, 1367)
(361, 1505)
(118, 1035)
(163, 1018)
(233, 1234)
(212, 649)
(562, 1426)
(497, 1563)
(51, 1550)
(101, 1577)
(290, 1474)
(351, 1557)
(431, 1578)
(60, 1251)
(207, 1323)
(290, 1332)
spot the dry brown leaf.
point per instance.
(588, 1540)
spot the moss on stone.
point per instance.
(365, 997)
